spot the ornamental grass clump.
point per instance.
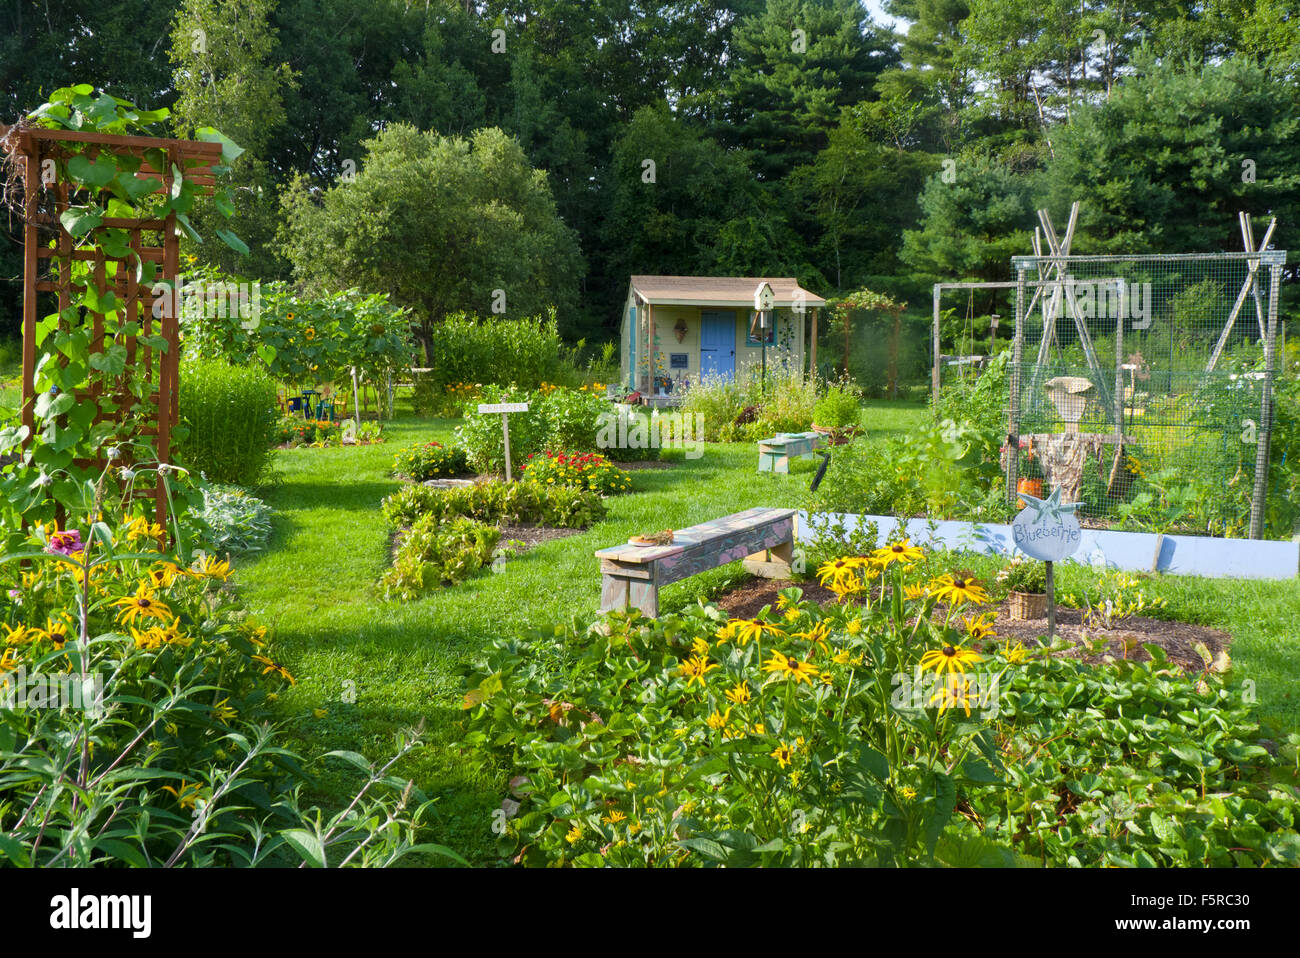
(865, 731)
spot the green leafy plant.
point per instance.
(436, 552)
(234, 520)
(1023, 575)
(496, 501)
(839, 406)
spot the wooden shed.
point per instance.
(677, 329)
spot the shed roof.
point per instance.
(718, 290)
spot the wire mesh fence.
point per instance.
(1140, 386)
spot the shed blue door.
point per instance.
(718, 343)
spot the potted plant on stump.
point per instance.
(1026, 582)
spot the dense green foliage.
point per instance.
(230, 418)
(495, 501)
(234, 521)
(843, 153)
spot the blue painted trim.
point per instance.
(1104, 548)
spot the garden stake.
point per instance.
(1051, 603)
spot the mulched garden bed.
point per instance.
(1178, 639)
(533, 535)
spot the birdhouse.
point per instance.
(1069, 394)
(764, 298)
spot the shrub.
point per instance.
(839, 406)
(481, 437)
(564, 507)
(572, 417)
(229, 416)
(438, 551)
(430, 460)
(234, 520)
(718, 400)
(526, 352)
(584, 470)
(299, 432)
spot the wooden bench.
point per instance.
(632, 575)
(774, 454)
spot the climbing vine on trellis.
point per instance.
(103, 201)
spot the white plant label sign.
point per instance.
(1047, 529)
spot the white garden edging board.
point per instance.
(1101, 548)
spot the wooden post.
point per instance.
(935, 373)
(651, 353)
(1264, 434)
(812, 361)
(505, 434)
(1013, 418)
(1119, 369)
(31, 243)
(1051, 603)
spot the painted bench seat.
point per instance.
(632, 575)
(774, 454)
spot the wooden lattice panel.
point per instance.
(47, 270)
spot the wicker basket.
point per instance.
(1026, 605)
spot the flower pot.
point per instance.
(1033, 487)
(1026, 605)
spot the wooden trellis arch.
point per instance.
(48, 272)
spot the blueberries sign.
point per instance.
(1047, 528)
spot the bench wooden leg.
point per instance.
(617, 593)
(765, 461)
(782, 464)
(773, 563)
(613, 593)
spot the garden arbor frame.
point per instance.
(46, 196)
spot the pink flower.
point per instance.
(66, 543)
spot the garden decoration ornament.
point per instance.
(1047, 529)
(1068, 395)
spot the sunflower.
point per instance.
(955, 693)
(816, 636)
(309, 333)
(848, 585)
(56, 630)
(958, 589)
(142, 605)
(951, 658)
(150, 640)
(8, 661)
(784, 754)
(700, 646)
(853, 626)
(695, 669)
(19, 636)
(739, 694)
(791, 668)
(164, 574)
(903, 552)
(614, 817)
(914, 592)
(908, 792)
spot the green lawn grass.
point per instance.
(367, 667)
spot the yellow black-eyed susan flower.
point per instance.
(950, 658)
(143, 604)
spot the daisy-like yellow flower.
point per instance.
(271, 666)
(150, 640)
(784, 754)
(143, 604)
(951, 658)
(957, 590)
(700, 646)
(309, 333)
(614, 817)
(853, 626)
(739, 694)
(57, 631)
(903, 552)
(20, 635)
(979, 626)
(954, 693)
(222, 711)
(141, 528)
(837, 570)
(8, 661)
(790, 668)
(745, 631)
(695, 669)
(908, 792)
(718, 721)
(187, 795)
(914, 592)
(848, 585)
(1015, 654)
(816, 636)
(212, 568)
